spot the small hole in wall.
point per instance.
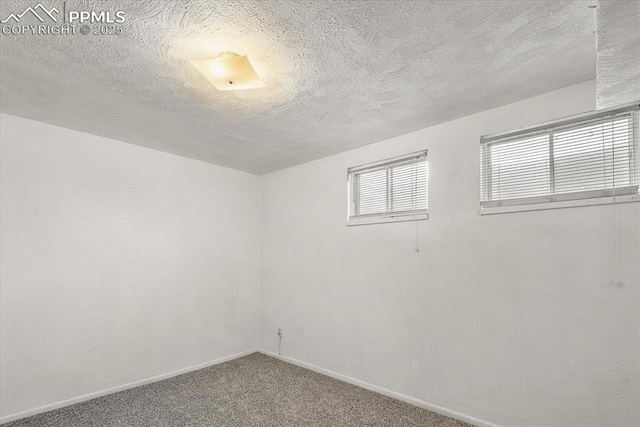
(230, 82)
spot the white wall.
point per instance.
(119, 263)
(512, 319)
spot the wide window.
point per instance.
(393, 189)
(585, 158)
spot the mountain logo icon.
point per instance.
(34, 11)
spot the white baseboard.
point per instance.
(411, 400)
(90, 396)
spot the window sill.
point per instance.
(385, 219)
(559, 205)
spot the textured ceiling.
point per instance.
(618, 61)
(338, 74)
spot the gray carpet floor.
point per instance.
(255, 390)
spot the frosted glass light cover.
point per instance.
(229, 72)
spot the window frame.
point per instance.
(624, 194)
(380, 218)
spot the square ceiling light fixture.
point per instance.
(229, 71)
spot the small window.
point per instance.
(591, 158)
(391, 190)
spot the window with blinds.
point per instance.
(582, 158)
(391, 188)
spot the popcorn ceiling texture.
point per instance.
(338, 74)
(618, 81)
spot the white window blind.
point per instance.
(582, 158)
(391, 188)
